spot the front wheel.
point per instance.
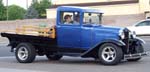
(25, 53)
(110, 54)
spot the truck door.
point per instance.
(68, 32)
(90, 23)
(86, 37)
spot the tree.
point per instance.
(44, 4)
(15, 12)
(2, 11)
(32, 10)
(41, 7)
(31, 13)
(35, 4)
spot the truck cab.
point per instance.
(79, 32)
(73, 34)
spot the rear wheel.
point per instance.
(25, 53)
(54, 57)
(110, 54)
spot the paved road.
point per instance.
(147, 40)
(4, 50)
(8, 63)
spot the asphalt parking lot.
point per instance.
(8, 63)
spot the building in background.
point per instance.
(122, 10)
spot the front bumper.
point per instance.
(133, 56)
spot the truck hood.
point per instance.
(108, 29)
(103, 32)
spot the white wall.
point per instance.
(80, 1)
(122, 9)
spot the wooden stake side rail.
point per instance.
(34, 30)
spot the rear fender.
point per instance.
(12, 45)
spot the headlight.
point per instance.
(121, 34)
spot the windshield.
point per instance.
(92, 18)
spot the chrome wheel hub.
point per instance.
(109, 54)
(22, 53)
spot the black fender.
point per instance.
(140, 40)
(117, 42)
(12, 42)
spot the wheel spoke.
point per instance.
(112, 57)
(21, 52)
(109, 49)
(112, 52)
(106, 53)
(107, 57)
(23, 56)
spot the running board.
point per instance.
(133, 56)
(71, 54)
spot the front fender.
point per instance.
(117, 42)
(140, 40)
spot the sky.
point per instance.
(22, 3)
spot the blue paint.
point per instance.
(83, 36)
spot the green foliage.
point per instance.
(31, 13)
(2, 11)
(15, 12)
(35, 4)
(41, 7)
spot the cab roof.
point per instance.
(80, 9)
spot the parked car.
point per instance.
(88, 38)
(141, 28)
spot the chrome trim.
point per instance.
(137, 55)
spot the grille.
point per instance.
(126, 39)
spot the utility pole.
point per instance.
(7, 9)
(27, 4)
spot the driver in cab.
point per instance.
(68, 19)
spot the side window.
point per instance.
(148, 23)
(144, 23)
(92, 18)
(70, 18)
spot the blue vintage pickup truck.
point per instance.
(78, 33)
